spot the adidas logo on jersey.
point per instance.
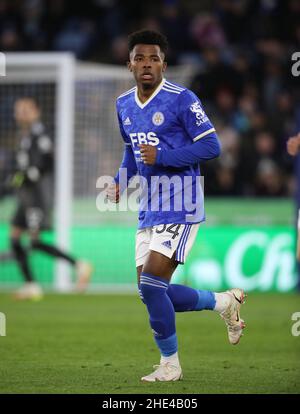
(167, 244)
(127, 121)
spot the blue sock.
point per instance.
(186, 299)
(153, 290)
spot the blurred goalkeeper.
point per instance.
(33, 184)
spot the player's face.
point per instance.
(147, 65)
(26, 112)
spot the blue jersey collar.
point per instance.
(157, 90)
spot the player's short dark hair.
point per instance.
(148, 37)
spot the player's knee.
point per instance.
(34, 243)
(150, 290)
(147, 291)
(141, 294)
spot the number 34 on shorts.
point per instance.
(165, 239)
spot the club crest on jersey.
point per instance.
(201, 117)
(158, 118)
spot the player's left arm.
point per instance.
(204, 150)
(203, 141)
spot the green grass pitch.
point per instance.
(102, 344)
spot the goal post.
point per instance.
(64, 164)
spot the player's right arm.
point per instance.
(127, 169)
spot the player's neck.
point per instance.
(24, 129)
(144, 92)
(27, 126)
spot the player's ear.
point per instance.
(164, 66)
(129, 66)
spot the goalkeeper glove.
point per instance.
(17, 180)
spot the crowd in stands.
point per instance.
(242, 50)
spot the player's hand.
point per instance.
(113, 193)
(293, 145)
(148, 154)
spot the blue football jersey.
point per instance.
(171, 118)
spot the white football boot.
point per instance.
(83, 274)
(164, 372)
(30, 290)
(231, 315)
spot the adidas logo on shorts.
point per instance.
(167, 244)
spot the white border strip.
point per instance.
(204, 134)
